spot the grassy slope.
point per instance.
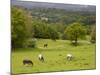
(55, 57)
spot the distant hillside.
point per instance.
(68, 7)
(58, 12)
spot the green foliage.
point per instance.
(30, 43)
(65, 17)
(53, 33)
(48, 24)
(88, 20)
(44, 30)
(75, 31)
(60, 18)
(40, 30)
(21, 24)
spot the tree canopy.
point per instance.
(21, 24)
(44, 30)
(75, 31)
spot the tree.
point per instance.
(93, 34)
(44, 30)
(40, 29)
(21, 24)
(53, 33)
(75, 31)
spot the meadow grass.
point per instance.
(55, 57)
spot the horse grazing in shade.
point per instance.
(45, 45)
(27, 61)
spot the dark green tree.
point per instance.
(44, 30)
(40, 29)
(53, 33)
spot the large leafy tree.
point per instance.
(75, 31)
(21, 24)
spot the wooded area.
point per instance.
(50, 23)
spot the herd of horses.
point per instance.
(69, 57)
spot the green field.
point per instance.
(55, 57)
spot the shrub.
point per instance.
(31, 43)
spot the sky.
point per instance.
(85, 2)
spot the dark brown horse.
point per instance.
(27, 61)
(45, 45)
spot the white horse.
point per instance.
(69, 57)
(40, 57)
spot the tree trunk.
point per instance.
(76, 39)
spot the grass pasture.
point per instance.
(55, 57)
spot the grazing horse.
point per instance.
(40, 57)
(69, 57)
(45, 45)
(27, 61)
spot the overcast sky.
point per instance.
(86, 2)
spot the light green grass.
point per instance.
(55, 57)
